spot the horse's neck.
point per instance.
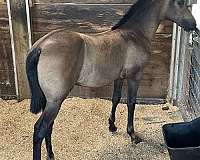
(145, 22)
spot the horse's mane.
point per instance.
(132, 11)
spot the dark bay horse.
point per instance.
(62, 59)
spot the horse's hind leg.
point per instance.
(115, 101)
(43, 125)
(50, 154)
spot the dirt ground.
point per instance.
(81, 131)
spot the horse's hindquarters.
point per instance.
(60, 64)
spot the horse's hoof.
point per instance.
(112, 128)
(136, 139)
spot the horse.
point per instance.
(62, 59)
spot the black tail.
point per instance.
(38, 99)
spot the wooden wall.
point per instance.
(7, 85)
(90, 16)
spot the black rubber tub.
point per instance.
(183, 140)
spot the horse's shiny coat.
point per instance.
(108, 57)
(62, 59)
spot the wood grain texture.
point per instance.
(3, 11)
(81, 18)
(2, 2)
(87, 1)
(7, 83)
(19, 23)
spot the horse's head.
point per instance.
(178, 12)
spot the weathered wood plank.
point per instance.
(7, 82)
(45, 26)
(19, 23)
(7, 90)
(3, 10)
(6, 62)
(5, 36)
(87, 1)
(4, 26)
(82, 18)
(2, 2)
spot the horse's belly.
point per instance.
(93, 77)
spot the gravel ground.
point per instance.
(81, 131)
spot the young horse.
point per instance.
(62, 59)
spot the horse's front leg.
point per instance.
(115, 101)
(133, 85)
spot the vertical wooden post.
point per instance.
(20, 43)
(173, 53)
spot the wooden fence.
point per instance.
(7, 83)
(184, 72)
(188, 99)
(91, 16)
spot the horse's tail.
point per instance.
(38, 99)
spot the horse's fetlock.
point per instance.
(111, 120)
(130, 130)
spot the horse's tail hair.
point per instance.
(38, 99)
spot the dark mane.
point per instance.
(132, 11)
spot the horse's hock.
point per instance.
(81, 131)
